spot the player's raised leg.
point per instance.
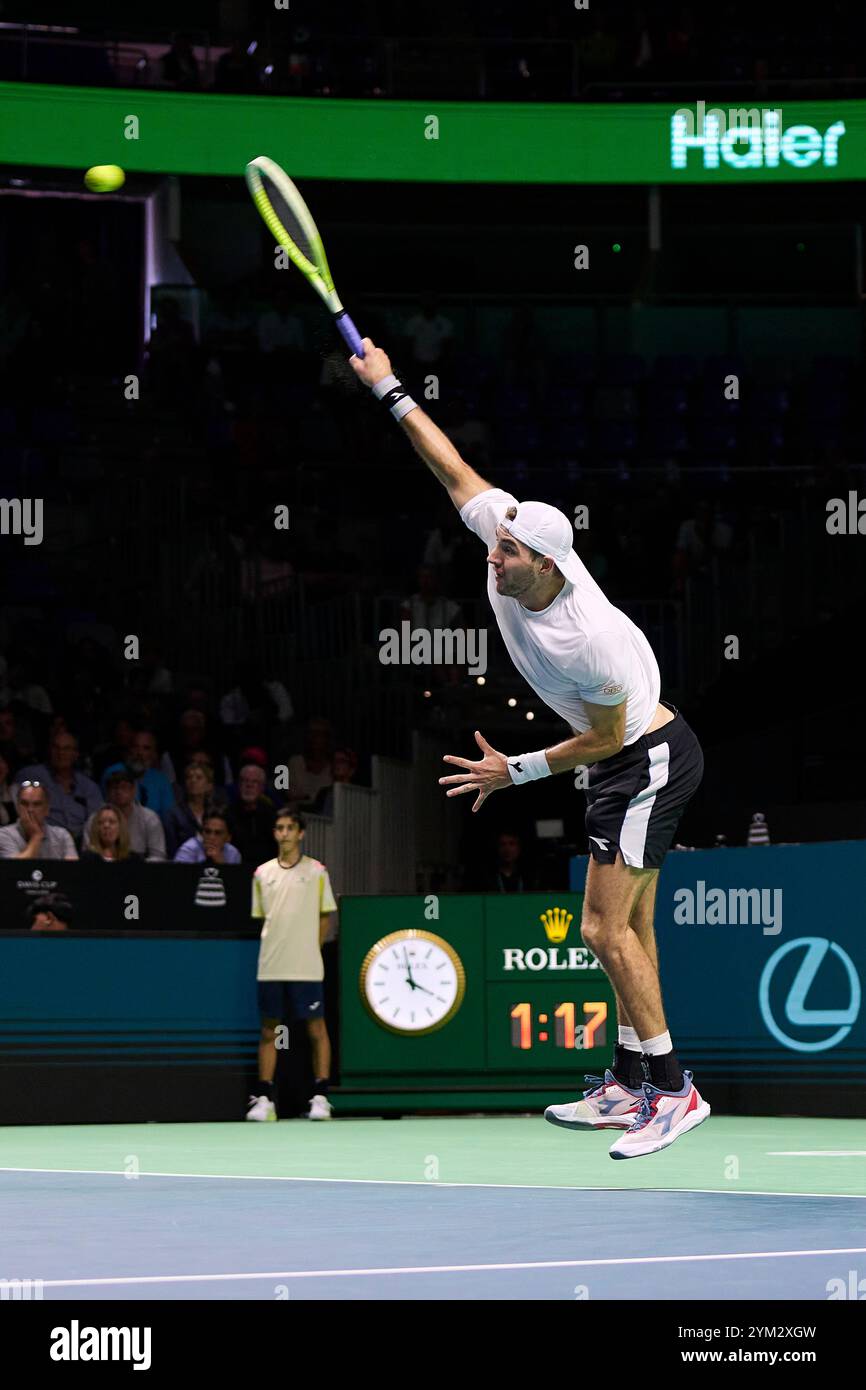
(614, 1100)
(671, 1104)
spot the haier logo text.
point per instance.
(760, 144)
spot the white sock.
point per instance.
(628, 1038)
(657, 1047)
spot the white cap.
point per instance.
(547, 530)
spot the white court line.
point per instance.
(445, 1269)
(423, 1182)
(816, 1153)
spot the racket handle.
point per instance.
(349, 333)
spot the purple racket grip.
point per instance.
(350, 333)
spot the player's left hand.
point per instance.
(484, 777)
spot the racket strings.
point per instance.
(289, 220)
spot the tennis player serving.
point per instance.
(594, 667)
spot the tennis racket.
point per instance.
(291, 224)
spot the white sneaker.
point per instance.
(260, 1108)
(606, 1105)
(320, 1108)
(664, 1116)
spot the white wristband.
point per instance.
(528, 767)
(386, 384)
(400, 403)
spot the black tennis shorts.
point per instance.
(635, 800)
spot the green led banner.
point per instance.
(433, 141)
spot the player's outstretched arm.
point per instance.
(433, 446)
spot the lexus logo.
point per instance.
(793, 1009)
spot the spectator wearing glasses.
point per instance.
(31, 837)
(144, 828)
(213, 847)
(72, 796)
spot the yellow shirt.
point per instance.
(290, 901)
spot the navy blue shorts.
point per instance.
(288, 1001)
(635, 800)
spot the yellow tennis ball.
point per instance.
(104, 178)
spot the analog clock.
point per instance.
(412, 982)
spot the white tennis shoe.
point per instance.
(606, 1105)
(260, 1108)
(320, 1108)
(664, 1116)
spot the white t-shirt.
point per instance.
(578, 648)
(290, 900)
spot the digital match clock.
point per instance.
(412, 982)
(560, 1027)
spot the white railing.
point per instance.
(394, 835)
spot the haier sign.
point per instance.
(749, 138)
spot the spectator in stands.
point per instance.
(345, 767)
(508, 874)
(429, 335)
(194, 736)
(281, 337)
(759, 831)
(143, 827)
(220, 795)
(467, 432)
(50, 912)
(236, 70)
(31, 837)
(73, 797)
(8, 762)
(179, 64)
(699, 539)
(427, 607)
(253, 703)
(25, 689)
(109, 837)
(597, 52)
(15, 730)
(252, 816)
(118, 749)
(213, 845)
(186, 818)
(152, 787)
(313, 769)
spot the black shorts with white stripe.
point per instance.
(635, 800)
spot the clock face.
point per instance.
(412, 982)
